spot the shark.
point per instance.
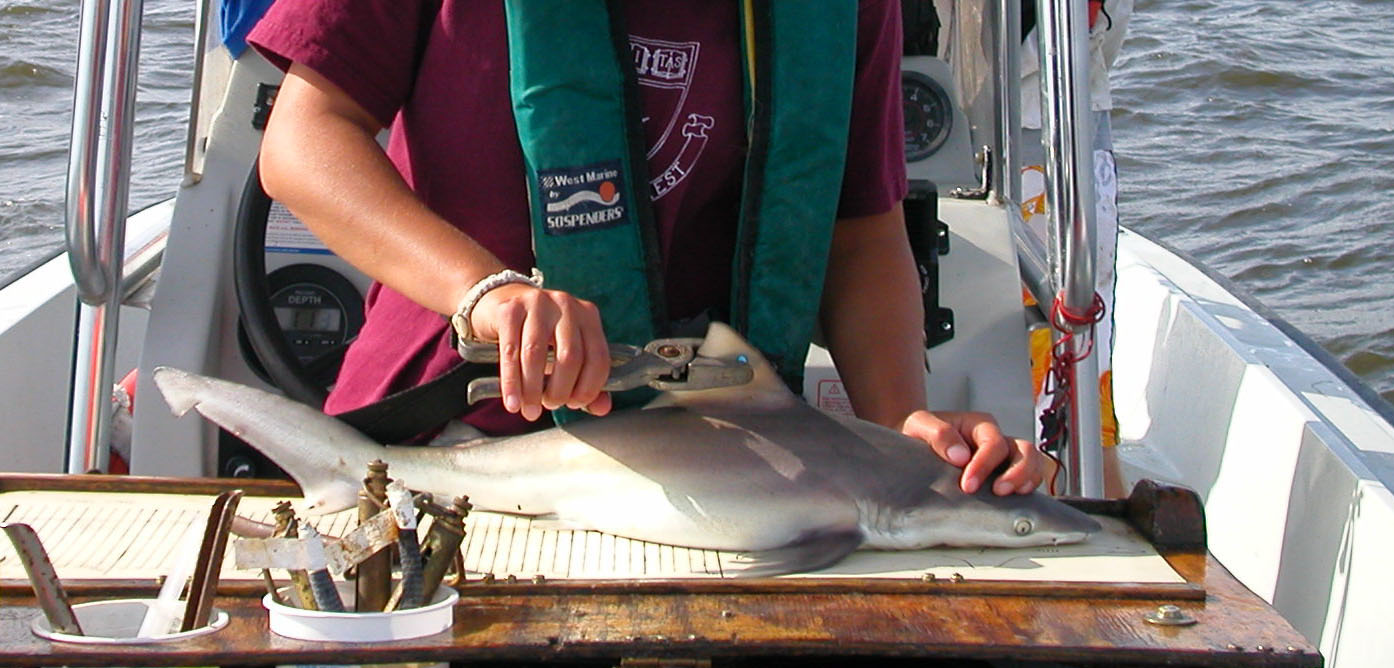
(751, 469)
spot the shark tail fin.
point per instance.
(321, 453)
(179, 388)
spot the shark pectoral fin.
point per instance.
(812, 551)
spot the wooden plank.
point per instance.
(792, 619)
(1234, 628)
(93, 482)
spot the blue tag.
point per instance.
(576, 199)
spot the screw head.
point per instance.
(1169, 615)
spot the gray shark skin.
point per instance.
(750, 469)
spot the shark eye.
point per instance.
(1022, 526)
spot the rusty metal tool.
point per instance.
(271, 588)
(368, 540)
(662, 364)
(286, 527)
(48, 589)
(441, 545)
(374, 582)
(340, 555)
(210, 560)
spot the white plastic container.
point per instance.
(116, 622)
(436, 616)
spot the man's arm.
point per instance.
(873, 319)
(320, 158)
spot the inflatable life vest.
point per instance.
(592, 224)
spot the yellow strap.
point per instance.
(749, 16)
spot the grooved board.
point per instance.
(108, 535)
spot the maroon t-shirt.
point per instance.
(455, 144)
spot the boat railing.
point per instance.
(984, 50)
(1067, 135)
(98, 183)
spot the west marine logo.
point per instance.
(581, 198)
(606, 193)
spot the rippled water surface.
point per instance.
(1259, 138)
(1256, 135)
(38, 56)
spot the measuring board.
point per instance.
(134, 536)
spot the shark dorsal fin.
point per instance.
(766, 390)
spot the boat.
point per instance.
(1291, 455)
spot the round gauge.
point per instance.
(927, 117)
(318, 311)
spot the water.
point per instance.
(1255, 135)
(1258, 136)
(38, 56)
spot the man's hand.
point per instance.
(528, 323)
(975, 442)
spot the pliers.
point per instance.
(662, 364)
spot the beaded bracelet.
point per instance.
(461, 319)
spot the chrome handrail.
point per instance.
(193, 175)
(1067, 136)
(1007, 98)
(99, 181)
(81, 204)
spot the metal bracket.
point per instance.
(261, 110)
(984, 160)
(929, 239)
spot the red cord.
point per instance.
(1058, 377)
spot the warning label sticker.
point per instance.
(286, 234)
(832, 398)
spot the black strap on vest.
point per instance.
(399, 417)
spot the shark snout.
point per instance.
(1064, 525)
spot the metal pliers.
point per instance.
(663, 364)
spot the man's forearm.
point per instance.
(873, 317)
(319, 158)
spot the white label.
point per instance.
(286, 234)
(832, 398)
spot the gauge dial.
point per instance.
(927, 117)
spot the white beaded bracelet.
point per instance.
(461, 319)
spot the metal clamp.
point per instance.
(662, 364)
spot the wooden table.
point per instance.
(779, 621)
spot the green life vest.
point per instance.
(576, 107)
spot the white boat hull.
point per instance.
(1294, 464)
